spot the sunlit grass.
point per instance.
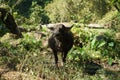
(30, 57)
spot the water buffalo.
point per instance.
(61, 40)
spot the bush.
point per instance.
(65, 11)
(95, 45)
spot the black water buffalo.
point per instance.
(61, 40)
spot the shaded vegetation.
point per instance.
(94, 56)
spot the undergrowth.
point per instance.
(90, 45)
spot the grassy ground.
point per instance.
(29, 58)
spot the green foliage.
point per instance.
(40, 11)
(28, 11)
(36, 10)
(29, 42)
(116, 4)
(96, 45)
(28, 54)
(37, 14)
(10, 55)
(116, 22)
(15, 51)
(23, 8)
(100, 7)
(66, 10)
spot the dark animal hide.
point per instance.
(61, 40)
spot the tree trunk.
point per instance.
(9, 22)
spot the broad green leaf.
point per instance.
(110, 60)
(111, 44)
(93, 43)
(101, 44)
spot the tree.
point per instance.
(9, 22)
(116, 4)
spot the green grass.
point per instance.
(28, 55)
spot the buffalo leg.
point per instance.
(64, 55)
(56, 58)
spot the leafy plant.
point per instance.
(29, 42)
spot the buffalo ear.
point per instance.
(69, 27)
(50, 27)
